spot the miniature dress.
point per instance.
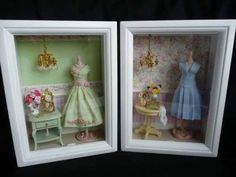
(83, 107)
(186, 103)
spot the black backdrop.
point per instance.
(124, 163)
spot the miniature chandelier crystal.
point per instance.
(46, 61)
(149, 60)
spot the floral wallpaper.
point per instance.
(170, 50)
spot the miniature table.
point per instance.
(46, 127)
(147, 127)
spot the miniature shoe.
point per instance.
(181, 134)
(81, 136)
(92, 136)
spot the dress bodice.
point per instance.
(82, 74)
(188, 74)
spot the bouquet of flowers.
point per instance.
(149, 96)
(154, 89)
(33, 100)
(47, 101)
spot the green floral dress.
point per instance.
(83, 107)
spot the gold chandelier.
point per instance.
(46, 61)
(149, 60)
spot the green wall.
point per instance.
(65, 52)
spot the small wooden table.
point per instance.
(147, 127)
(46, 127)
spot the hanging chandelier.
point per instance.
(149, 60)
(46, 61)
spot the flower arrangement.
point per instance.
(47, 101)
(33, 100)
(40, 101)
(154, 89)
(148, 97)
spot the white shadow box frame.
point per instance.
(10, 72)
(223, 32)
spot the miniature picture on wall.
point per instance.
(171, 86)
(62, 89)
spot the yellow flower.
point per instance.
(156, 91)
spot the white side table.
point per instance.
(46, 127)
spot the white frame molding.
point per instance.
(11, 28)
(225, 31)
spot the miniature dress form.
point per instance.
(186, 103)
(83, 108)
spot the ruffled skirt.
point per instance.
(83, 108)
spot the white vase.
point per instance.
(155, 97)
(34, 111)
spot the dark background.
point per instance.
(125, 163)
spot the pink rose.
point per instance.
(37, 93)
(32, 95)
(28, 99)
(37, 99)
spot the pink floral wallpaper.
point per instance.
(170, 51)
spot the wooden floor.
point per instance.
(68, 140)
(166, 136)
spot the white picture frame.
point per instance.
(9, 29)
(224, 31)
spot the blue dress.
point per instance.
(186, 103)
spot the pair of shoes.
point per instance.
(181, 134)
(82, 136)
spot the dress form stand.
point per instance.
(84, 134)
(182, 132)
(83, 108)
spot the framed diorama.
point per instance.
(174, 77)
(60, 83)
